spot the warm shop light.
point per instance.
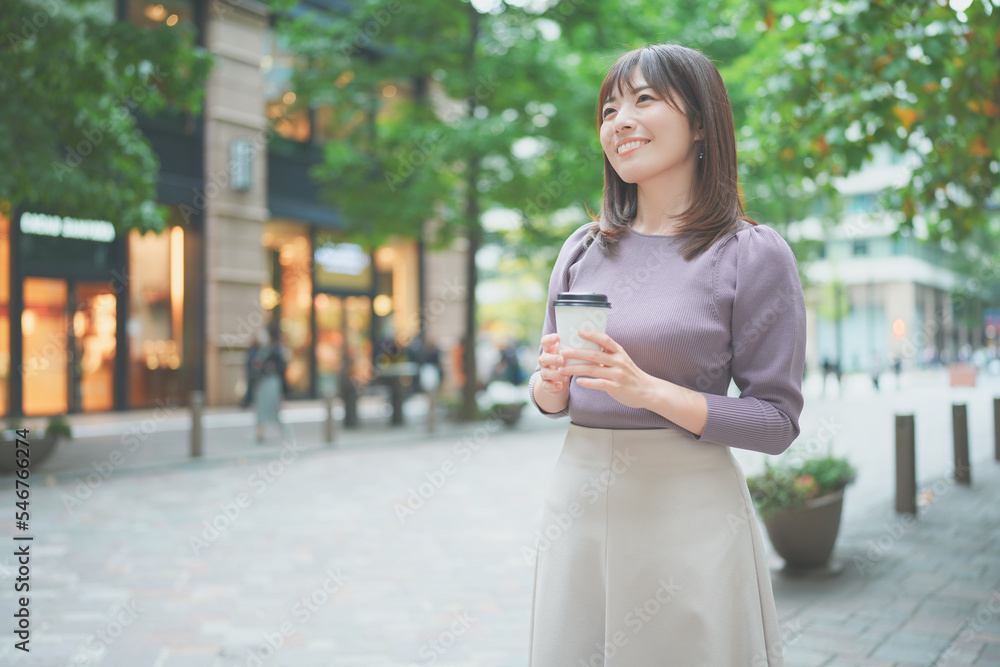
(172, 20)
(288, 98)
(382, 305)
(269, 298)
(389, 91)
(28, 320)
(384, 258)
(898, 328)
(79, 324)
(155, 12)
(177, 281)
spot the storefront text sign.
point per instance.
(69, 228)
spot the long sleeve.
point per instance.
(768, 346)
(558, 282)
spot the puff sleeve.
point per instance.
(768, 346)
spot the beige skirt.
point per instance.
(649, 554)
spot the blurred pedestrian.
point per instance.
(270, 364)
(897, 368)
(875, 369)
(250, 370)
(648, 509)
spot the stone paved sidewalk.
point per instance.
(397, 551)
(913, 592)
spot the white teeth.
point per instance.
(631, 144)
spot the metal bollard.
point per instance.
(996, 429)
(960, 428)
(197, 407)
(431, 410)
(906, 466)
(330, 430)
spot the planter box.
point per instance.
(805, 537)
(39, 450)
(962, 375)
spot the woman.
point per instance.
(651, 553)
(269, 387)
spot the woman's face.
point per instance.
(645, 137)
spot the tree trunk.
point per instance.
(474, 235)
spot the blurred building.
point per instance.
(124, 321)
(873, 298)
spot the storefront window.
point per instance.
(160, 12)
(156, 307)
(397, 302)
(4, 314)
(287, 113)
(290, 295)
(343, 326)
(44, 325)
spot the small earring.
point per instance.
(701, 155)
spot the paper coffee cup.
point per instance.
(576, 312)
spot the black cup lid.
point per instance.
(581, 299)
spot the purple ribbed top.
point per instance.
(734, 312)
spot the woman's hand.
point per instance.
(553, 375)
(613, 371)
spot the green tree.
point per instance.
(72, 80)
(445, 111)
(450, 108)
(833, 80)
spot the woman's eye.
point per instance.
(608, 112)
(645, 98)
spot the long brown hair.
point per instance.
(682, 76)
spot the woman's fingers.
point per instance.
(550, 343)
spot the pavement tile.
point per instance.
(796, 656)
(916, 647)
(900, 595)
(990, 655)
(858, 661)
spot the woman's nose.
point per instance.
(624, 121)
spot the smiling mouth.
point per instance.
(630, 146)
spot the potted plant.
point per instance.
(503, 401)
(41, 443)
(508, 413)
(801, 505)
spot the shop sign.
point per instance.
(68, 228)
(346, 258)
(341, 266)
(241, 154)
